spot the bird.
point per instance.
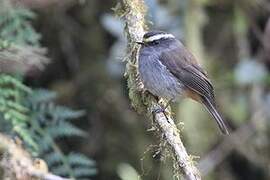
(168, 70)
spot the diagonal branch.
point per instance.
(16, 163)
(134, 12)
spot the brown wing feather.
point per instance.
(184, 66)
(181, 63)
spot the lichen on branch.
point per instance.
(133, 12)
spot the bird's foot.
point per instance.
(159, 109)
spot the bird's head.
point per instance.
(155, 37)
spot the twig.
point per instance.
(133, 12)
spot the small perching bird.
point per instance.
(168, 70)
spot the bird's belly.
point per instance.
(159, 81)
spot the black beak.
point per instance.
(139, 42)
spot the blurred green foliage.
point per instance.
(31, 114)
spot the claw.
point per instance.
(159, 109)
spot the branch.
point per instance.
(16, 163)
(134, 12)
(46, 176)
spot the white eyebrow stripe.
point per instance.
(158, 36)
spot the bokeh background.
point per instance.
(230, 38)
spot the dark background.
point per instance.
(86, 43)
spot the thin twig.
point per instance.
(133, 12)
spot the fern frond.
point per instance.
(76, 159)
(42, 96)
(12, 107)
(65, 129)
(60, 170)
(32, 114)
(80, 172)
(44, 145)
(50, 122)
(7, 80)
(24, 134)
(67, 113)
(52, 158)
(15, 25)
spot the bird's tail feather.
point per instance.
(212, 110)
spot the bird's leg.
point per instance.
(162, 109)
(159, 108)
(165, 107)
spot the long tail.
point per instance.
(212, 110)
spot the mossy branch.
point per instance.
(133, 12)
(16, 163)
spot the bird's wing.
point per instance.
(184, 66)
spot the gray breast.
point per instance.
(156, 77)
